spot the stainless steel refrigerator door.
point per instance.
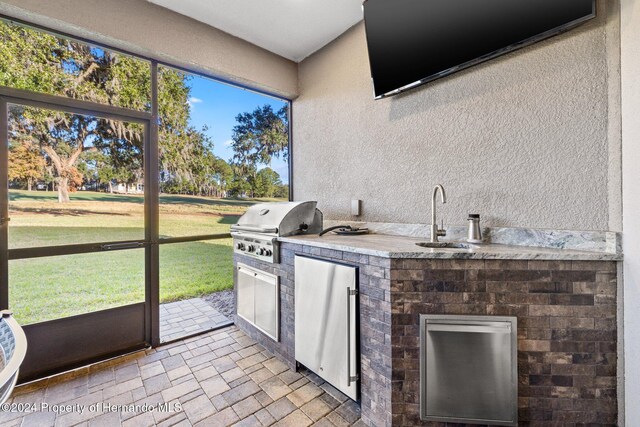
(469, 369)
(325, 321)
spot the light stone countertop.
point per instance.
(390, 246)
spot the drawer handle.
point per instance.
(486, 329)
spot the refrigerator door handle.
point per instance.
(350, 378)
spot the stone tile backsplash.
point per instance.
(566, 314)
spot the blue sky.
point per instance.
(216, 105)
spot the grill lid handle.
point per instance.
(254, 228)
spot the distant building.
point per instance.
(128, 188)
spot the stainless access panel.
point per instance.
(326, 306)
(258, 297)
(266, 304)
(245, 284)
(468, 369)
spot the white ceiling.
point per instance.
(290, 28)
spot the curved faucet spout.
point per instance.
(443, 197)
(435, 232)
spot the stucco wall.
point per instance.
(524, 139)
(630, 61)
(146, 29)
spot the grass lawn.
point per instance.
(48, 288)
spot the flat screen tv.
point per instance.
(412, 42)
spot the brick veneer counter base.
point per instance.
(566, 314)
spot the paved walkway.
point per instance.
(222, 378)
(187, 317)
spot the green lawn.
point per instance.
(48, 288)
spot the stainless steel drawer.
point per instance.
(469, 369)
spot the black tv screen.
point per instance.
(412, 42)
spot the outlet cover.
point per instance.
(355, 207)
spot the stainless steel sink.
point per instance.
(447, 245)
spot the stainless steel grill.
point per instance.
(257, 231)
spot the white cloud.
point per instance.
(193, 101)
(228, 143)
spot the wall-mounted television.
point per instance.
(412, 42)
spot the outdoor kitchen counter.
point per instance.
(388, 246)
(564, 301)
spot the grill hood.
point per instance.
(280, 219)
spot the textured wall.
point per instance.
(147, 29)
(523, 139)
(630, 29)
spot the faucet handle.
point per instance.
(442, 232)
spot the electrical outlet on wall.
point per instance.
(356, 207)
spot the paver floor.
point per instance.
(187, 317)
(221, 378)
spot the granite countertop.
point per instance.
(390, 246)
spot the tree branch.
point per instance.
(74, 157)
(83, 76)
(55, 158)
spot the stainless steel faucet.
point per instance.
(435, 231)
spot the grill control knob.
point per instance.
(250, 248)
(240, 246)
(267, 252)
(260, 251)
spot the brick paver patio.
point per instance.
(220, 378)
(188, 317)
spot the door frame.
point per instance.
(85, 326)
